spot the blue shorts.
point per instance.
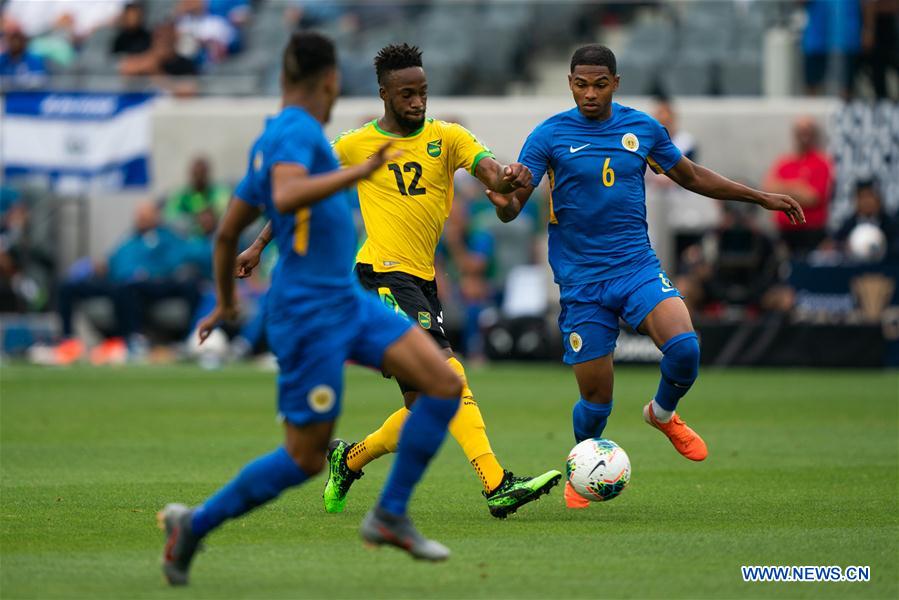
(590, 311)
(316, 338)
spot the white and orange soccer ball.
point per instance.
(598, 469)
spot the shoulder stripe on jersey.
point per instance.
(552, 184)
(654, 165)
(349, 132)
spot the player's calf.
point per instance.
(680, 367)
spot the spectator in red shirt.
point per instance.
(808, 177)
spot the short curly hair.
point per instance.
(307, 55)
(594, 54)
(395, 57)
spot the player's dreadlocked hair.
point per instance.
(306, 56)
(594, 54)
(395, 57)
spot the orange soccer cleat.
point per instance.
(69, 351)
(573, 499)
(685, 440)
(112, 351)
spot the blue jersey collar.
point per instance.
(598, 124)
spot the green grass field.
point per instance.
(804, 470)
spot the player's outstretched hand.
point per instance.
(246, 262)
(518, 175)
(219, 313)
(383, 155)
(786, 204)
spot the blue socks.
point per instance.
(680, 367)
(257, 483)
(589, 419)
(420, 439)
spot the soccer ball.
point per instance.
(598, 469)
(867, 243)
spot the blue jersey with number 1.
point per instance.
(316, 244)
(597, 228)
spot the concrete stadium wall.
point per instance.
(738, 137)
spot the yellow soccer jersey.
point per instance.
(406, 202)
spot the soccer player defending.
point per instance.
(318, 317)
(595, 156)
(404, 206)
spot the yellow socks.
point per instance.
(467, 427)
(469, 430)
(378, 443)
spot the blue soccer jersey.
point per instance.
(317, 315)
(597, 227)
(317, 244)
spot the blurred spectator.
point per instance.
(150, 265)
(132, 37)
(308, 14)
(18, 66)
(468, 250)
(880, 43)
(38, 17)
(238, 13)
(26, 268)
(202, 36)
(869, 211)
(732, 266)
(832, 31)
(184, 206)
(161, 59)
(807, 175)
(57, 45)
(673, 213)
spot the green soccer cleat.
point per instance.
(514, 492)
(340, 477)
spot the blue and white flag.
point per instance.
(77, 141)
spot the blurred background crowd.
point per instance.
(476, 47)
(753, 282)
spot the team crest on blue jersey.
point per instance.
(435, 147)
(575, 341)
(257, 161)
(424, 319)
(321, 398)
(630, 142)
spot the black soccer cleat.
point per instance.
(514, 492)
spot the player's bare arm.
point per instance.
(249, 258)
(701, 180)
(293, 188)
(502, 178)
(238, 217)
(509, 205)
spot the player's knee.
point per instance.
(445, 384)
(597, 395)
(681, 358)
(596, 390)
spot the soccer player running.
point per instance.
(595, 156)
(404, 206)
(318, 317)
